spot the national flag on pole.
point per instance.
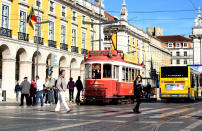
(31, 16)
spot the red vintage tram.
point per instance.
(108, 77)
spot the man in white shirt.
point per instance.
(39, 88)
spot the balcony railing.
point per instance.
(52, 43)
(63, 46)
(84, 51)
(38, 40)
(74, 49)
(183, 57)
(23, 36)
(5, 32)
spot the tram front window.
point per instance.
(107, 71)
(96, 71)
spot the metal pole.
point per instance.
(37, 46)
(100, 25)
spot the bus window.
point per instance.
(96, 71)
(87, 71)
(133, 74)
(197, 81)
(123, 74)
(116, 72)
(107, 71)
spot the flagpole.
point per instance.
(37, 46)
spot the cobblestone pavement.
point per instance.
(154, 117)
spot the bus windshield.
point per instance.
(180, 71)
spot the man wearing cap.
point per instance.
(25, 87)
(61, 86)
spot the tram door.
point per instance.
(116, 76)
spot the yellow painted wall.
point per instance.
(58, 24)
(14, 18)
(88, 46)
(79, 31)
(45, 6)
(69, 28)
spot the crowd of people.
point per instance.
(50, 92)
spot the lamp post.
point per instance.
(37, 46)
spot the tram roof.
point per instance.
(108, 56)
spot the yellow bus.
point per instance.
(180, 82)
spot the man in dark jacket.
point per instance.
(79, 87)
(148, 92)
(25, 89)
(138, 92)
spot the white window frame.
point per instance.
(177, 53)
(52, 7)
(92, 37)
(24, 21)
(83, 19)
(36, 27)
(63, 34)
(49, 35)
(177, 61)
(186, 52)
(63, 7)
(186, 62)
(128, 44)
(74, 34)
(92, 25)
(184, 44)
(8, 17)
(169, 45)
(74, 16)
(178, 43)
(40, 4)
(83, 40)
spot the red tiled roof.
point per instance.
(109, 17)
(174, 38)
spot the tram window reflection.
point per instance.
(96, 71)
(201, 80)
(116, 72)
(126, 74)
(88, 71)
(133, 74)
(107, 71)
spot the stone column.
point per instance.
(8, 78)
(55, 72)
(42, 71)
(25, 70)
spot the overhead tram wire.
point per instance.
(194, 7)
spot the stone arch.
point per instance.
(34, 63)
(62, 62)
(4, 53)
(22, 65)
(82, 70)
(74, 69)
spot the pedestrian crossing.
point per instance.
(148, 115)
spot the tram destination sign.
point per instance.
(99, 53)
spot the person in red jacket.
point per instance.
(32, 97)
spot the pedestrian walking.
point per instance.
(17, 91)
(79, 87)
(47, 91)
(138, 92)
(32, 97)
(148, 90)
(61, 86)
(55, 89)
(39, 88)
(71, 86)
(25, 88)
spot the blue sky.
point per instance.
(173, 23)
